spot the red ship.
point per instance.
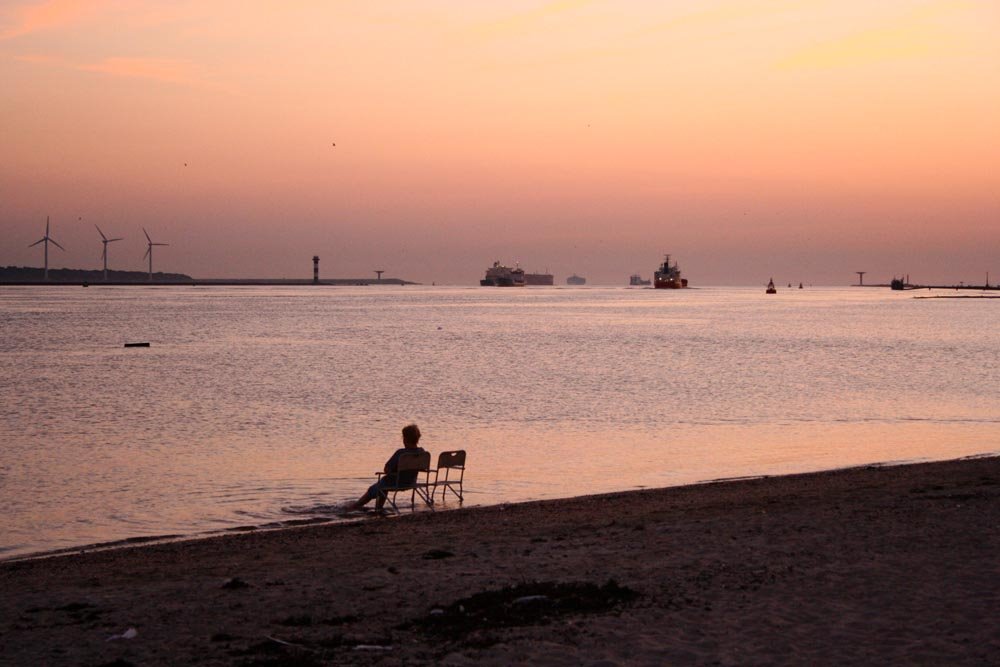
(669, 277)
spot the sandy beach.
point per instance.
(878, 565)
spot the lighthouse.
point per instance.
(315, 269)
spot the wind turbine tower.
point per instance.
(105, 240)
(149, 252)
(46, 240)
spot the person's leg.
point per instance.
(379, 489)
(372, 492)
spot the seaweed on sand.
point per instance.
(524, 604)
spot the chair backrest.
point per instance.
(413, 461)
(454, 459)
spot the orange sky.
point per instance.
(799, 139)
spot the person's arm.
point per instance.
(392, 463)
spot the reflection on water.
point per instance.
(251, 401)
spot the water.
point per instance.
(255, 405)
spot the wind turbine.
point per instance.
(149, 252)
(105, 240)
(46, 240)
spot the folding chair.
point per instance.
(447, 462)
(418, 463)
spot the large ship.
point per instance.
(576, 280)
(538, 279)
(668, 277)
(499, 275)
(635, 280)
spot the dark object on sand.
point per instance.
(235, 584)
(136, 344)
(525, 604)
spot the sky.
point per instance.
(803, 140)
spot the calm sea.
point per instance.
(260, 405)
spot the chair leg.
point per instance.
(392, 501)
(428, 500)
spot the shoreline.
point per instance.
(292, 524)
(870, 564)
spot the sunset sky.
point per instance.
(800, 139)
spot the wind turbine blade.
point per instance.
(46, 225)
(101, 233)
(104, 255)
(147, 253)
(147, 235)
(117, 239)
(161, 244)
(57, 245)
(37, 242)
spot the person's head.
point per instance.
(411, 435)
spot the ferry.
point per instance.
(635, 280)
(499, 275)
(669, 277)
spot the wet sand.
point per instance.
(874, 565)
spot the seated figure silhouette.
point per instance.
(391, 478)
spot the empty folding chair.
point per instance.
(450, 463)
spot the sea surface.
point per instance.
(257, 406)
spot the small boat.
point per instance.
(136, 344)
(770, 287)
(635, 280)
(800, 285)
(576, 280)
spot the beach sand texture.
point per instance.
(897, 565)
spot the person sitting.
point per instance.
(391, 478)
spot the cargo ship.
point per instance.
(499, 275)
(635, 280)
(669, 277)
(576, 280)
(538, 279)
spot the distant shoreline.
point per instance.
(33, 276)
(195, 282)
